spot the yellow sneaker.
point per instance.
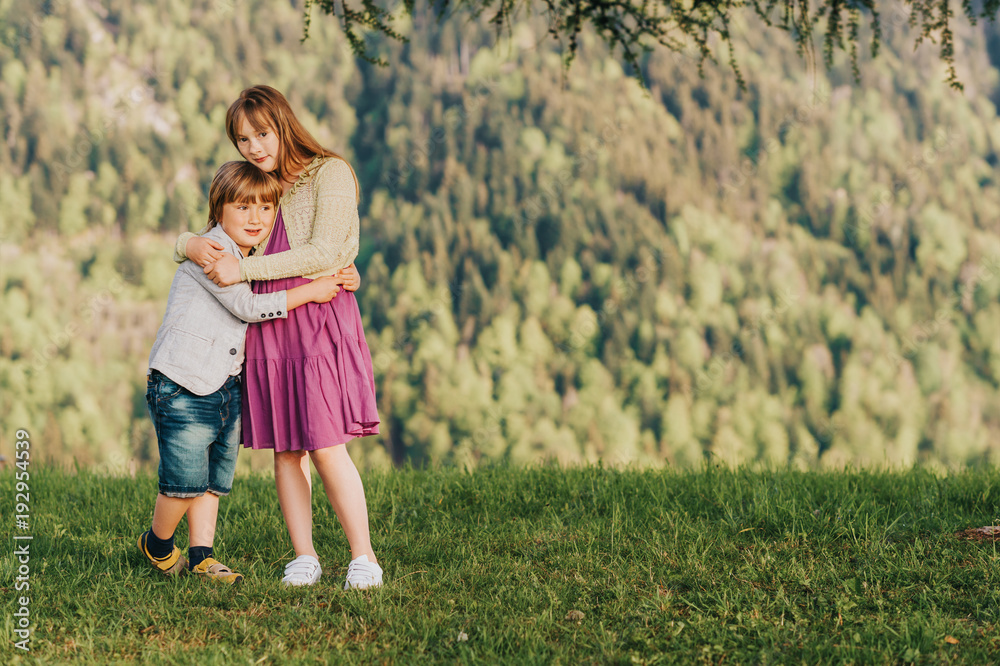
(212, 568)
(173, 564)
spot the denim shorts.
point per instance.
(198, 436)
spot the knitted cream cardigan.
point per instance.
(321, 220)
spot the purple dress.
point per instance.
(309, 382)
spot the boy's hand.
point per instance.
(350, 277)
(225, 271)
(325, 288)
(203, 251)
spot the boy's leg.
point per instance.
(181, 433)
(203, 513)
(160, 550)
(168, 513)
(202, 517)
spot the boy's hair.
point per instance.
(266, 108)
(240, 182)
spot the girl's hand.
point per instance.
(225, 271)
(203, 251)
(326, 288)
(350, 277)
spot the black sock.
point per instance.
(157, 547)
(197, 554)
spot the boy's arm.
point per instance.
(320, 290)
(240, 300)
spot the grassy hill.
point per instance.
(534, 565)
(557, 265)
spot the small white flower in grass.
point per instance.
(462, 636)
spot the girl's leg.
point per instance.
(291, 475)
(347, 495)
(202, 516)
(168, 513)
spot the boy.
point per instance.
(193, 385)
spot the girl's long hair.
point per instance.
(264, 107)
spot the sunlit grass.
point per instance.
(534, 565)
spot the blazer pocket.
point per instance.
(184, 349)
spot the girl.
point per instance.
(309, 382)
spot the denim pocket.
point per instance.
(167, 389)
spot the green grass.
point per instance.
(715, 566)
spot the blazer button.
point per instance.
(271, 314)
(279, 313)
(263, 316)
(232, 352)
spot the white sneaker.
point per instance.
(363, 574)
(303, 570)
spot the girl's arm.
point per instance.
(240, 300)
(201, 251)
(335, 232)
(180, 247)
(226, 272)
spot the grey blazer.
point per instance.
(205, 324)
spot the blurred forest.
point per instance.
(557, 264)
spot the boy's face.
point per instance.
(248, 223)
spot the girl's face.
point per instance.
(247, 223)
(259, 147)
